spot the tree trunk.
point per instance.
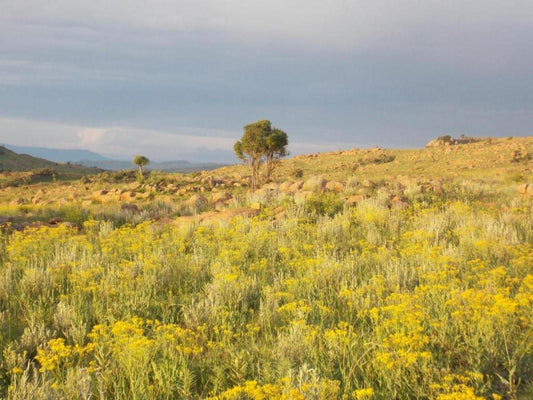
(255, 174)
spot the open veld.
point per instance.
(362, 274)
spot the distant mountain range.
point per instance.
(57, 155)
(169, 166)
(91, 159)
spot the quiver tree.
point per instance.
(140, 161)
(260, 143)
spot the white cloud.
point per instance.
(91, 137)
(118, 142)
(123, 142)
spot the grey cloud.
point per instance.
(381, 72)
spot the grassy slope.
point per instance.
(11, 161)
(287, 303)
(487, 159)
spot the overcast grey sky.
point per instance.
(174, 79)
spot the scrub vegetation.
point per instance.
(368, 274)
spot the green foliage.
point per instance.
(140, 161)
(310, 299)
(124, 176)
(297, 173)
(38, 167)
(436, 303)
(327, 204)
(276, 147)
(261, 143)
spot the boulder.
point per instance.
(215, 216)
(354, 200)
(219, 197)
(436, 187)
(129, 207)
(295, 186)
(399, 202)
(335, 186)
(526, 189)
(127, 196)
(19, 201)
(285, 187)
(196, 201)
(314, 184)
(367, 183)
(99, 193)
(303, 194)
(70, 225)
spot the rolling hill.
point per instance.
(11, 162)
(94, 160)
(57, 155)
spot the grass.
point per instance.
(311, 299)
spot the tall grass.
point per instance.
(430, 301)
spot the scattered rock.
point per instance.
(369, 184)
(303, 194)
(219, 197)
(519, 156)
(285, 187)
(314, 184)
(295, 186)
(196, 201)
(19, 201)
(100, 193)
(335, 186)
(70, 225)
(436, 187)
(215, 216)
(354, 200)
(399, 202)
(129, 207)
(526, 189)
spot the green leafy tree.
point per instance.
(261, 143)
(140, 161)
(276, 147)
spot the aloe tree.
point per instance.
(140, 161)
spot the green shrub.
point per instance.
(324, 204)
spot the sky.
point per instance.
(178, 79)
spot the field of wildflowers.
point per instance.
(429, 301)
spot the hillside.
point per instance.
(94, 160)
(26, 167)
(361, 274)
(364, 173)
(57, 155)
(486, 158)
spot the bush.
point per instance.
(297, 173)
(324, 204)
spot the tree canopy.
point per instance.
(140, 161)
(261, 143)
